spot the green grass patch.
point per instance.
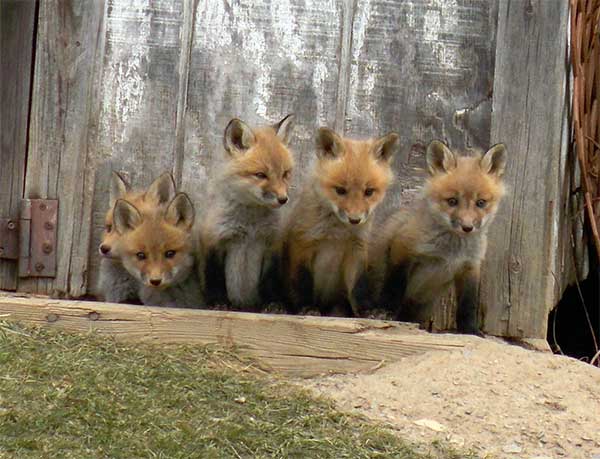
(71, 396)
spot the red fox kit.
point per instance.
(442, 239)
(244, 215)
(157, 250)
(324, 245)
(115, 283)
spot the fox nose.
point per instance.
(467, 229)
(354, 221)
(282, 200)
(104, 249)
(155, 282)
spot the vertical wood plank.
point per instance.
(17, 19)
(144, 77)
(522, 272)
(260, 60)
(68, 34)
(425, 70)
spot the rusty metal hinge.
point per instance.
(37, 238)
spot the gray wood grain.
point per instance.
(424, 69)
(522, 272)
(57, 166)
(16, 55)
(260, 60)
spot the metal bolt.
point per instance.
(42, 207)
(11, 225)
(46, 247)
(49, 226)
(39, 267)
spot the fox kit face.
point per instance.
(156, 249)
(159, 193)
(260, 164)
(353, 175)
(464, 192)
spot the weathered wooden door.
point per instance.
(145, 86)
(17, 19)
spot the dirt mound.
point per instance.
(500, 400)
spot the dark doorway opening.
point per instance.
(574, 324)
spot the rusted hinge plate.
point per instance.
(38, 238)
(9, 238)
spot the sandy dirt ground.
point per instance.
(500, 400)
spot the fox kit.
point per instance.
(115, 283)
(241, 224)
(157, 250)
(442, 239)
(324, 245)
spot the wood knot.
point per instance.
(93, 316)
(52, 317)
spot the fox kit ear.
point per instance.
(440, 158)
(126, 216)
(385, 147)
(329, 144)
(238, 137)
(118, 187)
(162, 189)
(284, 128)
(181, 212)
(494, 161)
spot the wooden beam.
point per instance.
(293, 345)
(523, 274)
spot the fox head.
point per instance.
(353, 175)
(259, 166)
(463, 192)
(159, 193)
(156, 249)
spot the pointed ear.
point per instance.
(118, 187)
(440, 158)
(494, 161)
(385, 147)
(329, 144)
(181, 212)
(162, 189)
(126, 216)
(284, 128)
(238, 137)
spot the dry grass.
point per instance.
(72, 396)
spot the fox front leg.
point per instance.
(467, 288)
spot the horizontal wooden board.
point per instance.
(293, 345)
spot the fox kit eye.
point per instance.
(340, 190)
(260, 175)
(481, 203)
(169, 253)
(286, 174)
(369, 191)
(140, 255)
(452, 202)
(108, 228)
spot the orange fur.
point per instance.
(327, 230)
(442, 238)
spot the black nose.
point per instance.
(354, 221)
(467, 229)
(283, 200)
(155, 282)
(104, 249)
